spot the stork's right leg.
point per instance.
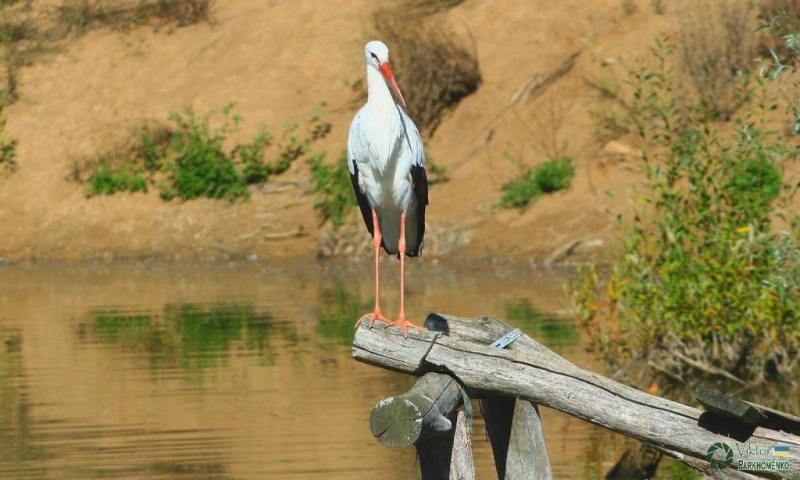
(376, 243)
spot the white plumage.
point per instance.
(386, 157)
(387, 167)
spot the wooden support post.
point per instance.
(462, 466)
(531, 371)
(515, 432)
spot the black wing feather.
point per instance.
(363, 203)
(420, 179)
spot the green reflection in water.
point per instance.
(18, 453)
(337, 313)
(191, 336)
(550, 330)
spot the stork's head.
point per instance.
(376, 54)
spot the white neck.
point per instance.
(379, 97)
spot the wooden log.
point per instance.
(532, 371)
(424, 417)
(462, 465)
(527, 451)
(422, 412)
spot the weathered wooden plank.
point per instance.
(462, 465)
(420, 413)
(532, 371)
(527, 450)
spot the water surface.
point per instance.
(236, 370)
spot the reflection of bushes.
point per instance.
(338, 311)
(551, 331)
(16, 423)
(195, 337)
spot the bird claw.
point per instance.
(404, 325)
(371, 317)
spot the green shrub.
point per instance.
(187, 159)
(199, 167)
(8, 149)
(554, 175)
(547, 177)
(520, 192)
(701, 278)
(334, 189)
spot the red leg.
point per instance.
(376, 242)
(402, 321)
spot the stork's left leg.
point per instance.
(376, 245)
(402, 321)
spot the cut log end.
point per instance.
(396, 422)
(422, 412)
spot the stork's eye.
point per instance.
(374, 56)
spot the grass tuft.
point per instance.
(716, 50)
(80, 16)
(550, 176)
(106, 181)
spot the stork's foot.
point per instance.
(371, 317)
(404, 325)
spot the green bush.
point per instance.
(334, 189)
(547, 177)
(8, 149)
(188, 159)
(198, 165)
(702, 279)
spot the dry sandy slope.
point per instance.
(276, 59)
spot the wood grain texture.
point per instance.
(531, 371)
(462, 465)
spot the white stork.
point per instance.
(387, 167)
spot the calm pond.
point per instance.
(238, 370)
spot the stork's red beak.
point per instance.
(386, 71)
